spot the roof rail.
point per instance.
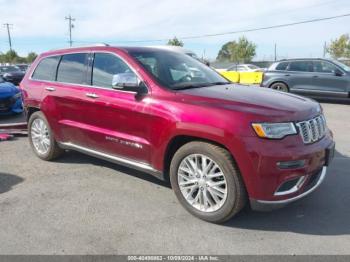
(303, 58)
(101, 44)
(78, 46)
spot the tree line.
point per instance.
(243, 50)
(12, 57)
(240, 51)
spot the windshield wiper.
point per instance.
(182, 86)
(220, 83)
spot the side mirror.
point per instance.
(142, 90)
(130, 82)
(125, 80)
(337, 72)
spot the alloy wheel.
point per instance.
(281, 88)
(40, 136)
(202, 183)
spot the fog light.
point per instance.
(290, 186)
(291, 164)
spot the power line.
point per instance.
(245, 30)
(71, 26)
(7, 25)
(270, 27)
(204, 35)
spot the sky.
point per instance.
(40, 25)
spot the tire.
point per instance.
(235, 196)
(280, 86)
(38, 126)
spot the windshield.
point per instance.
(252, 67)
(343, 66)
(7, 69)
(176, 70)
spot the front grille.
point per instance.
(5, 104)
(312, 130)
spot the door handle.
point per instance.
(91, 95)
(51, 89)
(287, 75)
(315, 76)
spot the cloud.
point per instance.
(118, 20)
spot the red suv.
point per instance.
(167, 114)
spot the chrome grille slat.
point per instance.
(318, 124)
(312, 130)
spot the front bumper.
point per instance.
(269, 182)
(267, 205)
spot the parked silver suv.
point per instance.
(314, 77)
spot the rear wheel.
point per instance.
(207, 182)
(280, 87)
(41, 137)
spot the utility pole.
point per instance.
(7, 25)
(71, 26)
(275, 52)
(324, 49)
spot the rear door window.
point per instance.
(72, 69)
(46, 69)
(301, 66)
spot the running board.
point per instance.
(114, 159)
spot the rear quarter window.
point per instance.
(282, 66)
(46, 69)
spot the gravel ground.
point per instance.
(82, 205)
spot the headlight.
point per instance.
(17, 96)
(274, 130)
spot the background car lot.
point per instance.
(82, 205)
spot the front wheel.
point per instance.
(280, 87)
(207, 182)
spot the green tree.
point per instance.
(175, 41)
(11, 56)
(2, 58)
(340, 47)
(239, 52)
(31, 57)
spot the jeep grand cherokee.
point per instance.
(221, 145)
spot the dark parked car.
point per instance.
(220, 144)
(314, 77)
(10, 98)
(11, 74)
(22, 67)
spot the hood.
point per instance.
(257, 100)
(7, 90)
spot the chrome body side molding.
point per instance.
(315, 92)
(144, 167)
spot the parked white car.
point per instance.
(245, 68)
